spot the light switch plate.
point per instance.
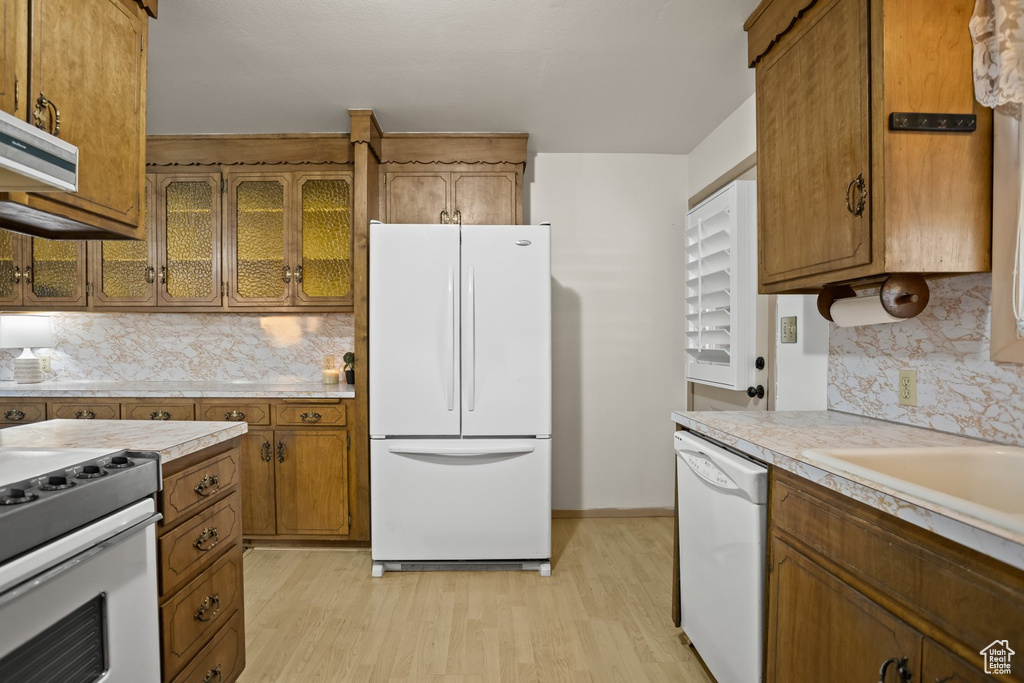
(788, 333)
(908, 387)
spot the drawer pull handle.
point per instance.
(902, 670)
(27, 277)
(209, 534)
(85, 415)
(265, 451)
(17, 275)
(150, 275)
(862, 195)
(311, 417)
(160, 415)
(14, 415)
(280, 451)
(210, 608)
(208, 480)
(213, 675)
(234, 416)
(45, 106)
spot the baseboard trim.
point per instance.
(612, 512)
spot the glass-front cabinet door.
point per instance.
(188, 239)
(11, 264)
(324, 269)
(55, 273)
(124, 271)
(260, 267)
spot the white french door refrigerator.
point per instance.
(460, 396)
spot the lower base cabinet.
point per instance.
(199, 548)
(851, 588)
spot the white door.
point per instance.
(460, 499)
(414, 324)
(506, 330)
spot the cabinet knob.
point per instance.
(755, 392)
(759, 363)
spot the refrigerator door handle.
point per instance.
(450, 341)
(460, 451)
(471, 339)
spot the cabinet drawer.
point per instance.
(20, 413)
(188, 490)
(84, 410)
(223, 659)
(887, 556)
(233, 411)
(311, 414)
(196, 544)
(158, 411)
(191, 618)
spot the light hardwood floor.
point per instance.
(603, 615)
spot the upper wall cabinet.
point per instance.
(470, 196)
(867, 161)
(83, 79)
(37, 272)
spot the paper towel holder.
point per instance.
(903, 295)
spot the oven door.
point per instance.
(83, 608)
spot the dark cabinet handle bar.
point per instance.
(209, 481)
(209, 534)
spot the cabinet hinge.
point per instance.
(350, 520)
(348, 441)
(223, 185)
(17, 94)
(88, 289)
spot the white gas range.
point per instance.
(78, 566)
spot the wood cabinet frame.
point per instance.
(97, 297)
(214, 299)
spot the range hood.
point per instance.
(32, 160)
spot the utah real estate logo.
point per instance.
(997, 657)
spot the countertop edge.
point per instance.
(998, 544)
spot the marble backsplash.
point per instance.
(959, 389)
(211, 347)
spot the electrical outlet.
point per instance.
(908, 387)
(788, 335)
(45, 362)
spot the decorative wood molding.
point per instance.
(229, 150)
(455, 148)
(366, 130)
(612, 513)
(769, 21)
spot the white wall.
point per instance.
(801, 369)
(733, 141)
(616, 268)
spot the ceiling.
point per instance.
(651, 76)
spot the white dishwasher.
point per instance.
(722, 524)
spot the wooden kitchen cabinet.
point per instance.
(288, 238)
(188, 239)
(821, 625)
(40, 273)
(312, 481)
(447, 193)
(850, 586)
(123, 272)
(842, 197)
(259, 496)
(86, 83)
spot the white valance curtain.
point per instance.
(997, 28)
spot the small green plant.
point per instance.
(350, 360)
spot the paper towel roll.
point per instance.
(863, 310)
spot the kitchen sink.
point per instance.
(985, 482)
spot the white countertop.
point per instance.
(170, 440)
(91, 389)
(782, 439)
